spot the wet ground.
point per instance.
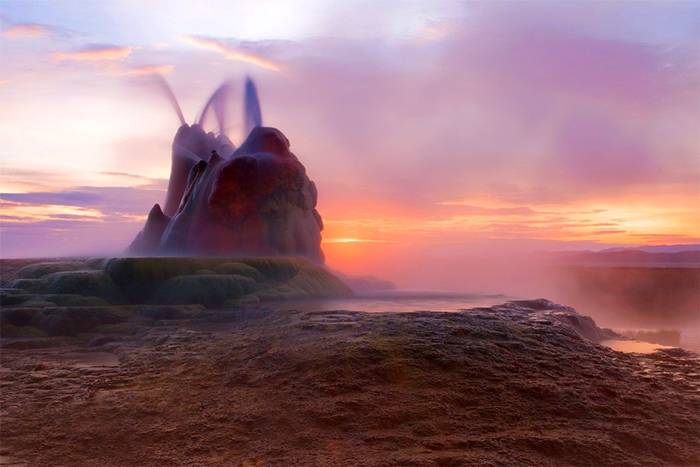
(394, 301)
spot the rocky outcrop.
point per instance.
(190, 145)
(180, 385)
(148, 239)
(211, 281)
(256, 199)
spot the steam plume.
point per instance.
(217, 102)
(252, 115)
(168, 92)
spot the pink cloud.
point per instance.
(593, 149)
(505, 98)
(231, 52)
(94, 54)
(533, 108)
(25, 31)
(148, 70)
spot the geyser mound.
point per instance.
(256, 199)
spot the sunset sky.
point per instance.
(435, 130)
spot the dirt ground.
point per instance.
(510, 385)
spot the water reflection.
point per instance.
(631, 346)
(410, 301)
(394, 302)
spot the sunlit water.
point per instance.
(395, 302)
(630, 346)
(412, 301)
(687, 337)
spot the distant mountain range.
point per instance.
(651, 256)
(658, 248)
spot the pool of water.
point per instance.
(395, 302)
(407, 301)
(686, 337)
(630, 346)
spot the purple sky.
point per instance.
(431, 126)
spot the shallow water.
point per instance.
(406, 301)
(687, 337)
(395, 302)
(631, 346)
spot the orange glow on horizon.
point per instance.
(351, 241)
(19, 213)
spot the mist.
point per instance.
(447, 157)
(272, 232)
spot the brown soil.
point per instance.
(500, 386)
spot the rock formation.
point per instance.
(256, 199)
(523, 383)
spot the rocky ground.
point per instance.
(207, 281)
(519, 384)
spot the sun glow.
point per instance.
(612, 222)
(352, 240)
(19, 213)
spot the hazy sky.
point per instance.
(443, 127)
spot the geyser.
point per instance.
(256, 199)
(252, 115)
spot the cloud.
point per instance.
(117, 68)
(593, 149)
(231, 52)
(25, 31)
(24, 180)
(108, 201)
(577, 125)
(82, 220)
(466, 208)
(149, 70)
(64, 198)
(142, 180)
(94, 53)
(507, 96)
(435, 30)
(66, 235)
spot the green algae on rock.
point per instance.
(142, 279)
(207, 289)
(38, 270)
(70, 297)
